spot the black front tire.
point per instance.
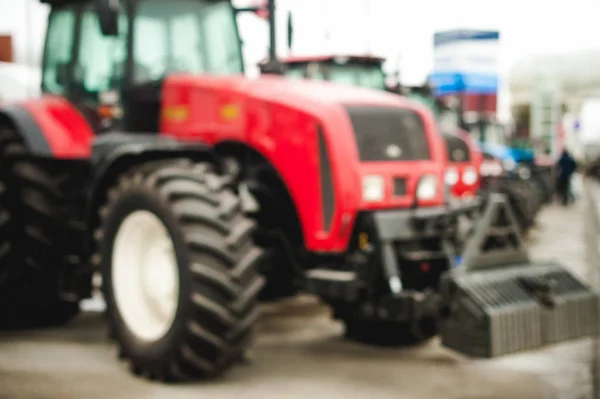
(217, 264)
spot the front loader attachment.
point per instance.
(498, 302)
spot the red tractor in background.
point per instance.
(464, 169)
(187, 191)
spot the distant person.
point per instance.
(566, 166)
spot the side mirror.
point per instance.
(290, 31)
(108, 15)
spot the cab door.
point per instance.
(83, 65)
(99, 70)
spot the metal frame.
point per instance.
(475, 257)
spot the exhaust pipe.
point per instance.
(273, 65)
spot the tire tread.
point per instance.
(223, 263)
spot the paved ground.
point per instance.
(299, 354)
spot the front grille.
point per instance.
(388, 134)
(399, 186)
(458, 151)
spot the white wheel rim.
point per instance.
(145, 276)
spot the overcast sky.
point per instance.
(393, 28)
(400, 30)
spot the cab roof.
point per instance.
(329, 58)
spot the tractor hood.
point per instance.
(313, 97)
(306, 93)
(318, 136)
(272, 106)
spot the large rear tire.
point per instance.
(31, 226)
(177, 225)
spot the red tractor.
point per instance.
(464, 169)
(187, 191)
(464, 159)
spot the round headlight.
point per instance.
(469, 176)
(451, 177)
(373, 188)
(427, 187)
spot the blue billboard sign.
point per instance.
(465, 61)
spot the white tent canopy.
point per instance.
(576, 74)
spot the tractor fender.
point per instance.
(115, 153)
(51, 127)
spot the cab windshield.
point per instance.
(191, 36)
(295, 72)
(358, 75)
(355, 75)
(312, 71)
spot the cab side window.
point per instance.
(314, 71)
(102, 59)
(58, 52)
(222, 39)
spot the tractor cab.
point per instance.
(362, 71)
(112, 62)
